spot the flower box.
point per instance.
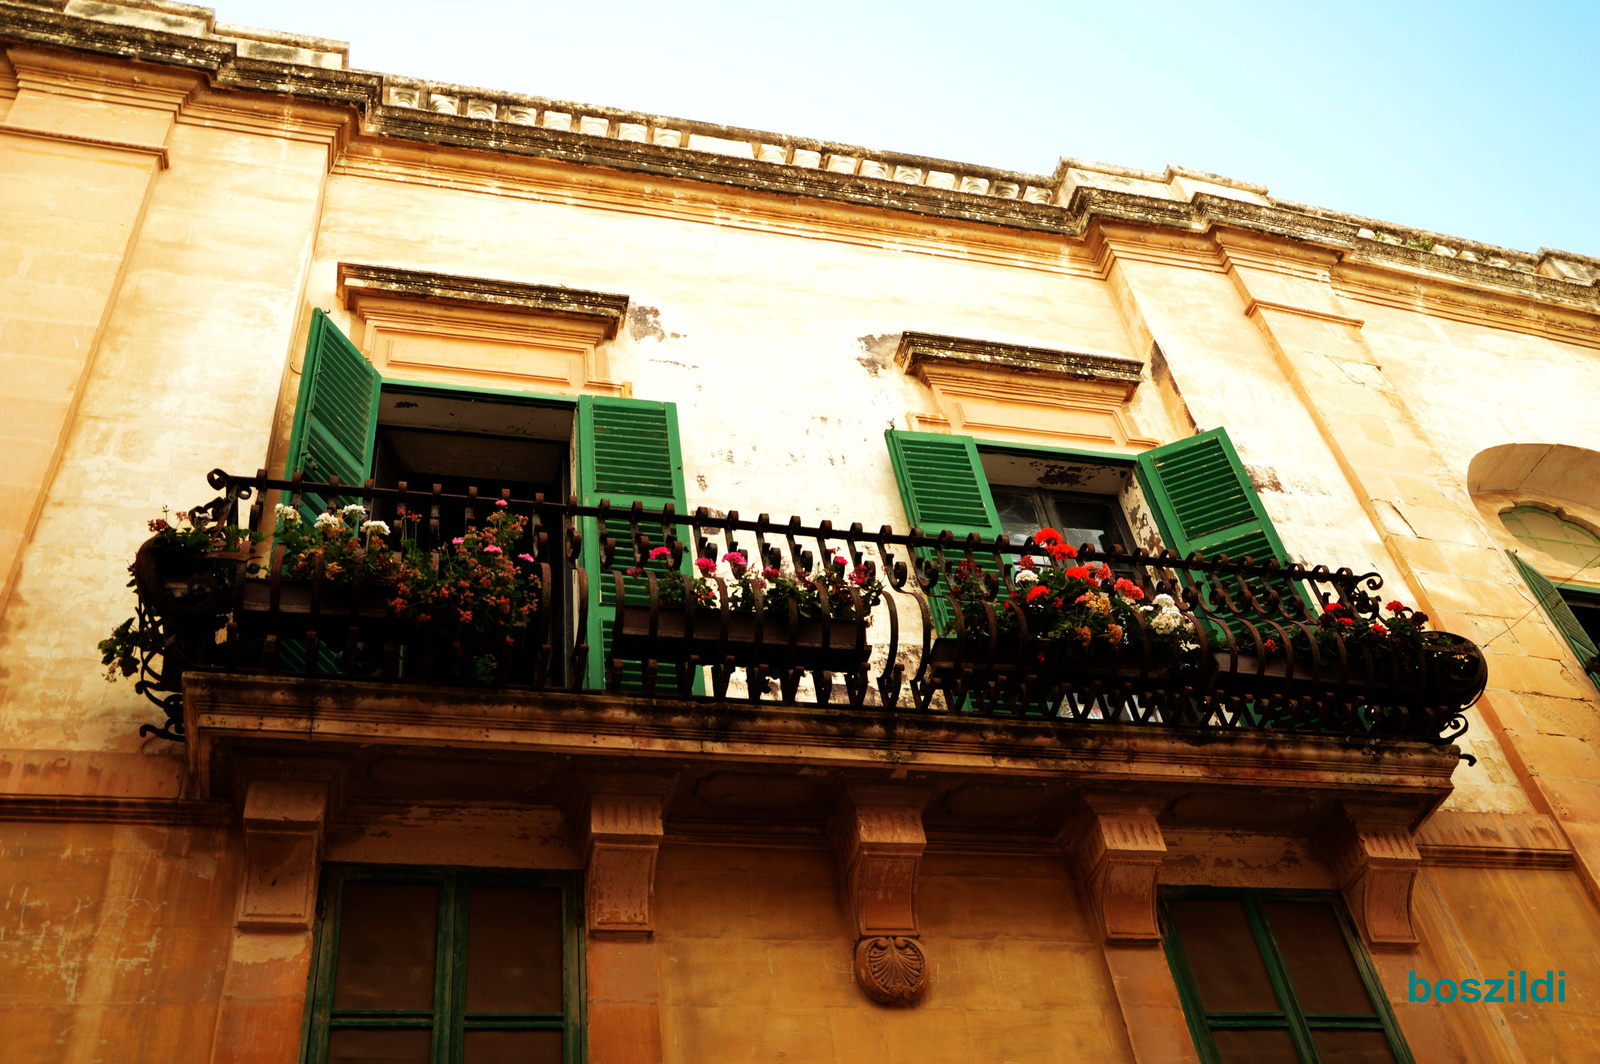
(674, 634)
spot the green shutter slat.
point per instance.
(628, 451)
(1556, 608)
(1202, 499)
(943, 487)
(942, 483)
(335, 418)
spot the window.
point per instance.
(1574, 611)
(1196, 492)
(1275, 977)
(446, 967)
(1565, 541)
(351, 422)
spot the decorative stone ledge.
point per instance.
(357, 281)
(918, 348)
(1376, 863)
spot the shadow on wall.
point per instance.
(1550, 471)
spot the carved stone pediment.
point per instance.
(1035, 394)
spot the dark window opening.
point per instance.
(445, 967)
(1276, 977)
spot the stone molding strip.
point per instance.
(917, 348)
(1484, 840)
(157, 151)
(92, 809)
(356, 280)
(1068, 202)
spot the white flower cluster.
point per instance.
(289, 515)
(1026, 577)
(328, 521)
(380, 527)
(1167, 619)
(355, 509)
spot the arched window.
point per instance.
(1565, 541)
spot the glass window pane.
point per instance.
(1020, 516)
(514, 949)
(388, 934)
(376, 1046)
(1256, 1047)
(1227, 966)
(1314, 950)
(1087, 522)
(1353, 1047)
(513, 1047)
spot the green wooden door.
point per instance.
(943, 486)
(1560, 614)
(336, 416)
(627, 452)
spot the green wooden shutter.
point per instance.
(1560, 614)
(1203, 501)
(628, 452)
(336, 417)
(943, 487)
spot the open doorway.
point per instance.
(460, 440)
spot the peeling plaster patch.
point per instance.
(1363, 373)
(1265, 478)
(1066, 476)
(669, 362)
(700, 479)
(646, 321)
(880, 349)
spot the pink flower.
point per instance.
(526, 557)
(492, 549)
(734, 558)
(770, 573)
(839, 559)
(660, 552)
(705, 565)
(457, 541)
(500, 502)
(1128, 589)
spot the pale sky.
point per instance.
(1474, 119)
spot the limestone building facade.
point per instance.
(331, 826)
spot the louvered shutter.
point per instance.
(1203, 501)
(943, 486)
(628, 452)
(336, 417)
(1560, 614)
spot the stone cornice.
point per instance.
(1068, 202)
(918, 348)
(357, 280)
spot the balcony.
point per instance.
(815, 626)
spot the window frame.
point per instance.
(1291, 1016)
(449, 1014)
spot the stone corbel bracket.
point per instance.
(1116, 848)
(620, 828)
(877, 832)
(1376, 861)
(284, 824)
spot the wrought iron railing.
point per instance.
(944, 630)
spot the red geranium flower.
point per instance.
(1347, 620)
(1394, 607)
(1037, 591)
(1061, 552)
(1078, 572)
(1333, 607)
(1046, 537)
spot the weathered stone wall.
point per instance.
(167, 229)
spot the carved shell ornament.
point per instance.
(892, 970)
